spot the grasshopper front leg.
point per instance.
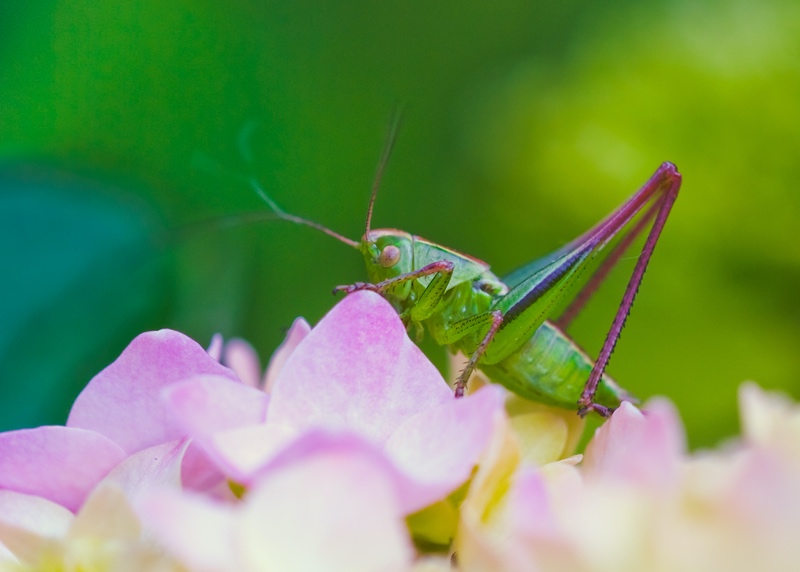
(443, 268)
(426, 304)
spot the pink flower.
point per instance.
(355, 373)
(642, 448)
(123, 402)
(352, 444)
(327, 503)
(243, 360)
(120, 412)
(638, 501)
(105, 534)
(358, 431)
(61, 464)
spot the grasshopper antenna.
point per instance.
(283, 215)
(245, 135)
(208, 164)
(391, 138)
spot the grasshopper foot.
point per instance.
(350, 288)
(601, 410)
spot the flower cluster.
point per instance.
(350, 453)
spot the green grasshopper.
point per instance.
(502, 324)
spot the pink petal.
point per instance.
(6, 556)
(195, 530)
(412, 493)
(334, 508)
(764, 495)
(528, 506)
(356, 370)
(327, 504)
(199, 472)
(294, 336)
(242, 452)
(438, 448)
(242, 358)
(106, 518)
(638, 447)
(769, 419)
(61, 464)
(215, 347)
(123, 401)
(322, 441)
(206, 404)
(34, 514)
(29, 525)
(157, 467)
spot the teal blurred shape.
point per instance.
(81, 270)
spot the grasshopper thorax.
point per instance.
(388, 252)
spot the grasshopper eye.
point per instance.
(390, 255)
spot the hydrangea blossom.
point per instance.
(350, 453)
(104, 533)
(637, 501)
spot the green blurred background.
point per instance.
(524, 123)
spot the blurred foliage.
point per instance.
(525, 122)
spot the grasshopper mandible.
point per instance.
(502, 324)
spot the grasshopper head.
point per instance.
(387, 253)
